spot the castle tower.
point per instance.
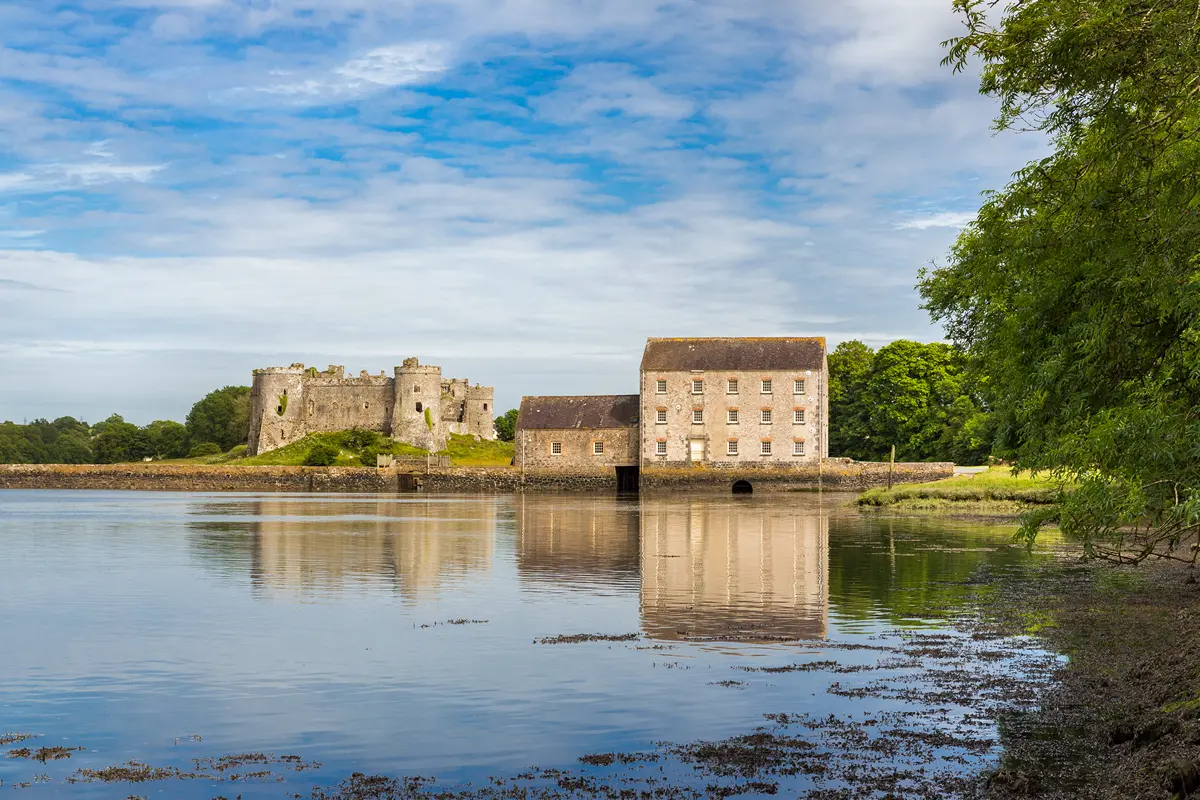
(417, 410)
(481, 409)
(276, 408)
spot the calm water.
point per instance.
(315, 625)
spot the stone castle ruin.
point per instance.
(415, 405)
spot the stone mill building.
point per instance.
(414, 405)
(730, 404)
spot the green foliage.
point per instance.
(166, 439)
(916, 396)
(356, 447)
(506, 425)
(469, 451)
(221, 416)
(1077, 287)
(281, 409)
(322, 454)
(116, 440)
(428, 419)
(204, 449)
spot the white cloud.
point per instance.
(381, 68)
(944, 219)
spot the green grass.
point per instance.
(467, 451)
(996, 485)
(293, 455)
(464, 451)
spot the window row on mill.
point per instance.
(732, 416)
(766, 386)
(731, 447)
(556, 448)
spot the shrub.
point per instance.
(322, 454)
(360, 439)
(368, 457)
(205, 449)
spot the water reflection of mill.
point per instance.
(710, 568)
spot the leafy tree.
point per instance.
(167, 439)
(204, 449)
(506, 425)
(1076, 286)
(915, 396)
(118, 440)
(221, 416)
(73, 446)
(849, 369)
(322, 454)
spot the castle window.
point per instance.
(697, 387)
(697, 416)
(366, 406)
(731, 447)
(764, 447)
(731, 416)
(660, 447)
(766, 385)
(766, 416)
(731, 386)
(416, 390)
(660, 386)
(798, 448)
(420, 408)
(661, 416)
(798, 416)
(598, 448)
(556, 448)
(485, 406)
(798, 386)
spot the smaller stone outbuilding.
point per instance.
(592, 434)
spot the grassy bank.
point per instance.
(358, 448)
(1123, 720)
(996, 490)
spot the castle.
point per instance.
(415, 406)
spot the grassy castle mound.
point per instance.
(357, 448)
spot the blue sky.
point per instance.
(519, 190)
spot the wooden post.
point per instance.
(891, 467)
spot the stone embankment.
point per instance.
(833, 474)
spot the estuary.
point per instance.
(282, 646)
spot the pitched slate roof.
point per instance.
(587, 411)
(734, 354)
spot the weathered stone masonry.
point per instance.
(415, 405)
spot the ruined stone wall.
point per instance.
(715, 402)
(534, 450)
(414, 405)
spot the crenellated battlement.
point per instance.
(414, 405)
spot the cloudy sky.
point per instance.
(519, 190)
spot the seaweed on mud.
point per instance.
(132, 772)
(811, 666)
(15, 738)
(44, 754)
(729, 684)
(360, 786)
(576, 638)
(459, 621)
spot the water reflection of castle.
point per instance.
(415, 545)
(710, 568)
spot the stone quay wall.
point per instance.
(192, 478)
(832, 473)
(836, 474)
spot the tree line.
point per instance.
(918, 397)
(217, 423)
